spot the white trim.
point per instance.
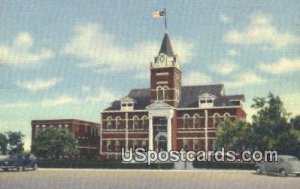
(131, 131)
(206, 133)
(162, 82)
(216, 107)
(162, 73)
(119, 111)
(114, 139)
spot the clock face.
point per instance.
(162, 59)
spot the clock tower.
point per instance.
(165, 75)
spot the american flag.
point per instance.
(158, 14)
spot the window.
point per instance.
(118, 122)
(160, 93)
(186, 120)
(226, 116)
(196, 121)
(127, 103)
(216, 120)
(185, 144)
(59, 126)
(196, 145)
(144, 144)
(118, 147)
(109, 123)
(135, 122)
(166, 93)
(135, 144)
(43, 127)
(145, 123)
(37, 127)
(108, 145)
(206, 100)
(214, 145)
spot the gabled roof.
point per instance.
(166, 46)
(189, 97)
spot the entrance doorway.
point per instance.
(162, 143)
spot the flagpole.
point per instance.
(166, 28)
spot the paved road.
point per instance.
(129, 179)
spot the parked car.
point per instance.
(284, 166)
(19, 162)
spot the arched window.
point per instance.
(185, 145)
(145, 123)
(117, 146)
(160, 93)
(196, 145)
(226, 116)
(196, 121)
(166, 93)
(108, 145)
(216, 121)
(118, 122)
(135, 144)
(186, 121)
(135, 122)
(37, 129)
(109, 123)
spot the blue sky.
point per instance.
(70, 59)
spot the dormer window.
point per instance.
(235, 102)
(127, 103)
(206, 100)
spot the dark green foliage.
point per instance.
(270, 129)
(3, 143)
(103, 165)
(54, 143)
(11, 142)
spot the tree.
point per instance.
(3, 143)
(236, 135)
(270, 129)
(15, 142)
(296, 122)
(270, 123)
(54, 143)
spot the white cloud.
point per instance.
(283, 65)
(245, 79)
(197, 78)
(19, 53)
(38, 84)
(225, 67)
(233, 52)
(61, 100)
(223, 18)
(102, 96)
(18, 104)
(99, 48)
(261, 31)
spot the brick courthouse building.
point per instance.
(167, 116)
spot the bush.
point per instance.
(103, 165)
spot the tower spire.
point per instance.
(166, 46)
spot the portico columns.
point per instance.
(169, 132)
(150, 133)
